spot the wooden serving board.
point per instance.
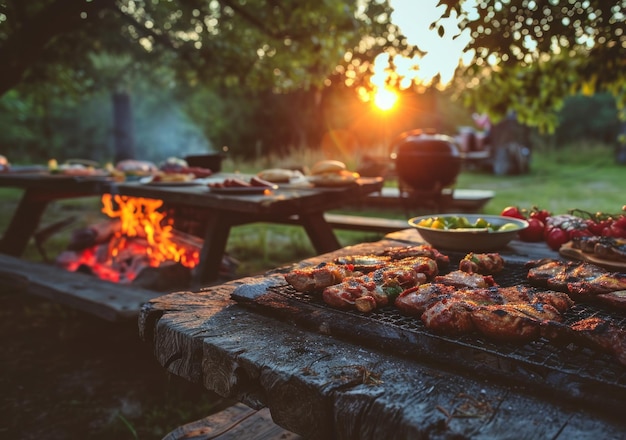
(568, 251)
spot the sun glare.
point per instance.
(385, 99)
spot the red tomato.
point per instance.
(620, 221)
(579, 232)
(512, 211)
(596, 227)
(614, 231)
(534, 231)
(556, 238)
(540, 214)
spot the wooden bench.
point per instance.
(360, 223)
(235, 422)
(107, 300)
(367, 224)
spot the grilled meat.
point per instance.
(604, 335)
(615, 299)
(540, 271)
(574, 273)
(461, 279)
(516, 322)
(605, 283)
(360, 293)
(485, 264)
(416, 300)
(610, 248)
(363, 263)
(450, 316)
(377, 289)
(422, 250)
(318, 277)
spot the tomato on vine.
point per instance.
(514, 212)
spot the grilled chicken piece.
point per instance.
(375, 290)
(605, 283)
(559, 300)
(615, 299)
(360, 293)
(485, 264)
(450, 316)
(422, 250)
(513, 322)
(575, 273)
(416, 300)
(363, 263)
(614, 249)
(540, 271)
(425, 265)
(318, 277)
(461, 279)
(603, 335)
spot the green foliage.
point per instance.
(530, 56)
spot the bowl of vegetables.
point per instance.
(468, 232)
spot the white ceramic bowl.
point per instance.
(468, 240)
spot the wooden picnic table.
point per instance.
(328, 374)
(221, 210)
(39, 190)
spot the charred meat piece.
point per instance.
(559, 300)
(450, 316)
(605, 283)
(460, 279)
(611, 249)
(377, 289)
(416, 300)
(485, 264)
(540, 271)
(615, 299)
(513, 322)
(363, 263)
(603, 335)
(587, 243)
(318, 277)
(422, 250)
(360, 293)
(425, 265)
(574, 273)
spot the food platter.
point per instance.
(570, 252)
(150, 181)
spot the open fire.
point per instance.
(138, 235)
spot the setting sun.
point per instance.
(385, 99)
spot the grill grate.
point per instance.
(560, 364)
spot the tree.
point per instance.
(530, 55)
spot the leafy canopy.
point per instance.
(527, 56)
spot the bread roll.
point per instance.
(327, 167)
(276, 175)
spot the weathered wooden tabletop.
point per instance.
(322, 386)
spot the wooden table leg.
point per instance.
(23, 223)
(320, 232)
(212, 252)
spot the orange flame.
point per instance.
(141, 218)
